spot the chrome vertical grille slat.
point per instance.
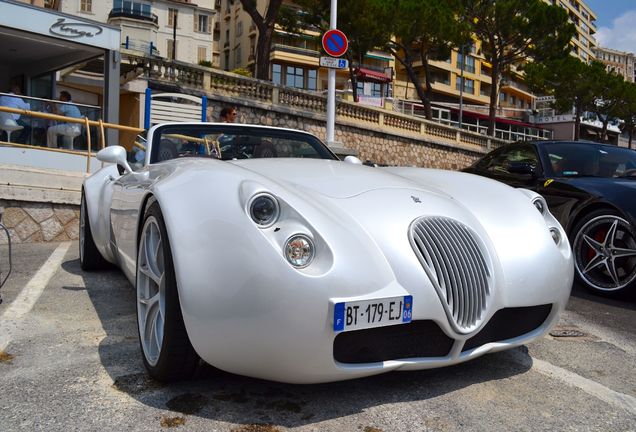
(453, 259)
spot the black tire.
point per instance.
(90, 258)
(172, 358)
(604, 248)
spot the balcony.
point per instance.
(295, 50)
(133, 14)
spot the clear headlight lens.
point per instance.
(264, 210)
(540, 205)
(299, 250)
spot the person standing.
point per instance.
(228, 115)
(13, 100)
(69, 130)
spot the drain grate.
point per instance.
(559, 333)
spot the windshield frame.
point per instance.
(193, 129)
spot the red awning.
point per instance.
(365, 74)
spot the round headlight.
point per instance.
(556, 235)
(540, 205)
(299, 251)
(264, 210)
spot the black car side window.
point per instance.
(516, 154)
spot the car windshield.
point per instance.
(572, 159)
(229, 142)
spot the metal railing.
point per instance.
(85, 122)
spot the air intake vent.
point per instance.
(452, 257)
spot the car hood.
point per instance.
(334, 179)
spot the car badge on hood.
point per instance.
(416, 199)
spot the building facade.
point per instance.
(295, 58)
(619, 62)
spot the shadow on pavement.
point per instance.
(225, 397)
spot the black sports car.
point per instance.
(591, 189)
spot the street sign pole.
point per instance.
(331, 83)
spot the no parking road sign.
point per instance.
(335, 43)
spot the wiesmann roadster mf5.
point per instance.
(258, 251)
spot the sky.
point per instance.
(615, 23)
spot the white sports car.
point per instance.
(258, 251)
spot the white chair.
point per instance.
(69, 137)
(8, 124)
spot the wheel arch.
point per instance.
(581, 212)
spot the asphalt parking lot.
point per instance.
(69, 361)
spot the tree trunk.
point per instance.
(494, 98)
(407, 62)
(429, 87)
(263, 46)
(577, 121)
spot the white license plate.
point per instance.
(361, 314)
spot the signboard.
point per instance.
(335, 43)
(334, 63)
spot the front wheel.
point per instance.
(166, 349)
(604, 250)
(90, 257)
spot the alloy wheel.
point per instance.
(605, 253)
(151, 291)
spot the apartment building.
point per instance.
(619, 62)
(173, 29)
(295, 58)
(580, 14)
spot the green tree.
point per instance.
(422, 31)
(514, 32)
(570, 81)
(627, 109)
(608, 89)
(265, 24)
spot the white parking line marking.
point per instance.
(621, 400)
(29, 295)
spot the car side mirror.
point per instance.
(352, 160)
(519, 167)
(115, 155)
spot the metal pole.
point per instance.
(461, 89)
(331, 83)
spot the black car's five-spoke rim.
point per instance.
(605, 253)
(151, 294)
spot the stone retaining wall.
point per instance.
(39, 222)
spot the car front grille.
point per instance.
(451, 256)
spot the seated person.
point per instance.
(69, 130)
(12, 100)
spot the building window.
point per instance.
(132, 7)
(202, 54)
(239, 28)
(237, 57)
(469, 65)
(295, 77)
(203, 23)
(469, 85)
(86, 5)
(172, 17)
(312, 79)
(277, 74)
(169, 49)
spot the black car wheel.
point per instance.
(90, 258)
(166, 349)
(604, 250)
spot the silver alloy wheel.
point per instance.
(605, 253)
(82, 227)
(151, 290)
